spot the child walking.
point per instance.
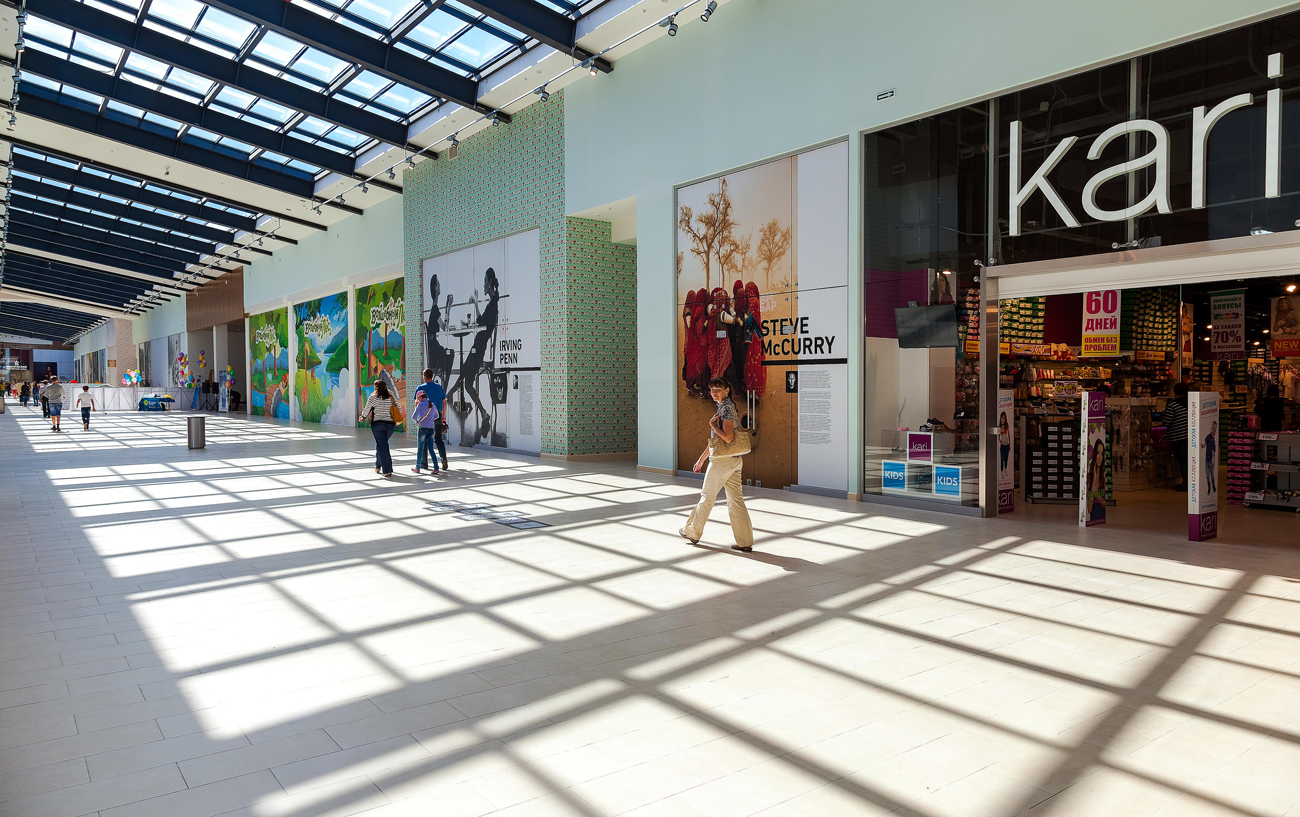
(87, 404)
(426, 417)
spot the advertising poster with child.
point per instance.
(1284, 325)
(1006, 457)
(1092, 459)
(1202, 465)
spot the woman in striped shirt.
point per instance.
(379, 411)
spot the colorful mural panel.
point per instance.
(381, 339)
(268, 344)
(321, 378)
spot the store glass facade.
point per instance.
(925, 227)
(1193, 143)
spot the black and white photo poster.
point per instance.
(482, 338)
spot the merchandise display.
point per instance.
(1149, 319)
(1023, 320)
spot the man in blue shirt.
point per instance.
(438, 398)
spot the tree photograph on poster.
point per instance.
(268, 345)
(321, 378)
(381, 340)
(740, 280)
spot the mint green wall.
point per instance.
(351, 247)
(768, 77)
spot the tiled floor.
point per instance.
(264, 627)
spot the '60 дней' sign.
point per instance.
(1101, 324)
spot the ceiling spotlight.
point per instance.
(1265, 331)
(22, 18)
(455, 143)
(1291, 288)
(496, 120)
(541, 92)
(342, 200)
(259, 242)
(947, 272)
(1205, 338)
(364, 188)
(410, 162)
(1256, 343)
(590, 65)
(20, 47)
(708, 10)
(669, 23)
(317, 209)
(391, 174)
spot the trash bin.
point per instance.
(197, 434)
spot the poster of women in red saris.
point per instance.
(740, 316)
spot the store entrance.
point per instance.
(1144, 350)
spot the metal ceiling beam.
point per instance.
(185, 112)
(37, 103)
(348, 44)
(539, 22)
(145, 251)
(122, 190)
(65, 213)
(35, 295)
(128, 280)
(53, 314)
(116, 209)
(53, 324)
(174, 52)
(45, 241)
(206, 211)
(20, 328)
(59, 285)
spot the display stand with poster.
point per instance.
(1092, 459)
(223, 402)
(1006, 460)
(1202, 465)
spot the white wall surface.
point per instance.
(165, 319)
(350, 248)
(768, 77)
(102, 337)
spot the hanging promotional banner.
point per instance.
(1284, 326)
(1006, 459)
(1092, 459)
(1228, 325)
(1186, 333)
(1101, 324)
(1202, 465)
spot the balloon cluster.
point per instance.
(203, 363)
(132, 377)
(187, 377)
(230, 374)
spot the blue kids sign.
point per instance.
(947, 481)
(894, 475)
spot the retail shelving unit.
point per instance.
(1275, 471)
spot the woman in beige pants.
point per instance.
(723, 474)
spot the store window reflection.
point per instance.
(924, 229)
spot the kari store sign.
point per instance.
(1228, 324)
(1158, 158)
(1101, 324)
